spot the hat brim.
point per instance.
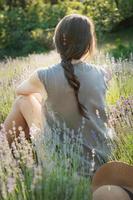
(113, 173)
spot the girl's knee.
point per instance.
(22, 103)
(23, 100)
(110, 192)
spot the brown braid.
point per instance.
(74, 83)
(74, 37)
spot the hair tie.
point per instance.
(64, 39)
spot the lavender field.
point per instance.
(29, 170)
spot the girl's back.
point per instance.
(62, 102)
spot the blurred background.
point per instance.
(27, 26)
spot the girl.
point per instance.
(72, 89)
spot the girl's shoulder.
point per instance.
(103, 71)
(98, 75)
(51, 69)
(48, 75)
(93, 68)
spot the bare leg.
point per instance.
(26, 110)
(110, 192)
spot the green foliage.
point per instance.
(28, 34)
(104, 13)
(125, 8)
(74, 7)
(121, 51)
(27, 26)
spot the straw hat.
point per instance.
(113, 173)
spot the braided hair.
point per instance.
(74, 37)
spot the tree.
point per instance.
(54, 1)
(51, 1)
(14, 3)
(125, 8)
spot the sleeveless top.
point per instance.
(62, 102)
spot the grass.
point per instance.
(34, 170)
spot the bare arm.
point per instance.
(31, 85)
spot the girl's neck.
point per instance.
(75, 61)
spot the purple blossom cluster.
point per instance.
(120, 116)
